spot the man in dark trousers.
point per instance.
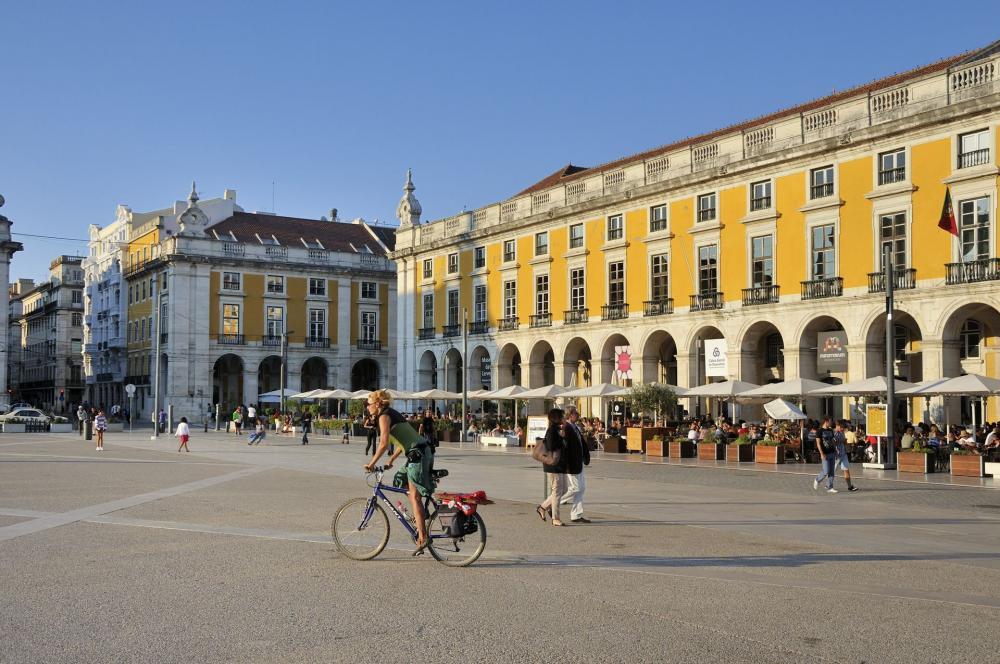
(307, 420)
(577, 456)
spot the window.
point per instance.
(892, 167)
(658, 278)
(577, 289)
(77, 320)
(317, 323)
(130, 293)
(901, 337)
(974, 227)
(369, 326)
(576, 236)
(616, 282)
(821, 182)
(317, 286)
(542, 294)
(823, 255)
(708, 269)
(453, 307)
(453, 263)
(230, 281)
(142, 328)
(144, 289)
(369, 290)
(615, 227)
(970, 336)
(428, 268)
(479, 304)
(760, 195)
(706, 207)
(542, 243)
(762, 261)
(657, 218)
(231, 319)
(428, 310)
(510, 299)
(509, 251)
(974, 148)
(275, 321)
(773, 351)
(130, 336)
(892, 234)
(275, 284)
(479, 258)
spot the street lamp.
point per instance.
(281, 377)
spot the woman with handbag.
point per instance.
(550, 453)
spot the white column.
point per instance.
(344, 342)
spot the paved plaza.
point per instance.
(141, 554)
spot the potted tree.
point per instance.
(917, 459)
(655, 447)
(739, 450)
(710, 449)
(966, 463)
(649, 399)
(769, 450)
(682, 448)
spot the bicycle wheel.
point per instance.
(356, 538)
(456, 551)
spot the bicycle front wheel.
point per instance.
(356, 536)
(457, 551)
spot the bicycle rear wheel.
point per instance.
(356, 537)
(457, 551)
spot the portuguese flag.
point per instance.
(947, 221)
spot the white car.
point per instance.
(26, 414)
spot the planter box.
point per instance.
(636, 438)
(614, 445)
(656, 447)
(11, 427)
(683, 449)
(769, 454)
(968, 465)
(711, 451)
(914, 462)
(61, 427)
(739, 453)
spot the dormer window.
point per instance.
(313, 244)
(268, 240)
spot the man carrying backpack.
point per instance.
(827, 448)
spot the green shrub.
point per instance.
(741, 440)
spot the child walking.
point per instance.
(184, 433)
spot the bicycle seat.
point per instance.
(438, 474)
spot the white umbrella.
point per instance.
(479, 394)
(547, 392)
(398, 394)
(311, 394)
(727, 389)
(509, 392)
(797, 387)
(360, 394)
(918, 389)
(335, 394)
(274, 396)
(780, 409)
(866, 387)
(599, 391)
(971, 385)
(437, 394)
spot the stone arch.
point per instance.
(365, 375)
(452, 366)
(315, 374)
(696, 350)
(762, 353)
(908, 353)
(609, 360)
(269, 374)
(659, 358)
(970, 344)
(541, 365)
(577, 369)
(806, 339)
(427, 373)
(227, 382)
(508, 366)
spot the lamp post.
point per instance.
(465, 370)
(284, 362)
(889, 460)
(156, 373)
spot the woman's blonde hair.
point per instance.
(380, 397)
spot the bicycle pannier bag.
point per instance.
(452, 521)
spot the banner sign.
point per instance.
(486, 373)
(875, 420)
(537, 426)
(831, 352)
(716, 359)
(623, 362)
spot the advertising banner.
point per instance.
(716, 359)
(831, 352)
(537, 426)
(623, 362)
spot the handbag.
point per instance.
(544, 455)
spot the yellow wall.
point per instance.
(494, 282)
(214, 285)
(790, 243)
(732, 243)
(930, 246)
(558, 278)
(856, 258)
(383, 313)
(636, 261)
(296, 317)
(355, 316)
(332, 314)
(682, 259)
(253, 306)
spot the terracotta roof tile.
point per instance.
(290, 231)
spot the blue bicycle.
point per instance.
(361, 527)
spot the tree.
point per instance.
(652, 399)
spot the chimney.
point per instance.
(333, 214)
(229, 194)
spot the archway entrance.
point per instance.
(227, 382)
(314, 374)
(269, 374)
(365, 375)
(427, 373)
(508, 366)
(542, 366)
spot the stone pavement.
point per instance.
(139, 553)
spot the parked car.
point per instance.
(26, 415)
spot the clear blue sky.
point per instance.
(127, 102)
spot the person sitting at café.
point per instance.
(908, 437)
(966, 441)
(694, 432)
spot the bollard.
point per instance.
(217, 413)
(206, 424)
(170, 418)
(88, 433)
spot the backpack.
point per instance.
(826, 441)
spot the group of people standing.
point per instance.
(565, 477)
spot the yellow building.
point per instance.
(761, 240)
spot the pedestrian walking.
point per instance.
(237, 419)
(184, 434)
(555, 475)
(251, 414)
(371, 434)
(840, 442)
(101, 425)
(577, 455)
(307, 419)
(346, 439)
(828, 457)
(81, 416)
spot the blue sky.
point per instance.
(127, 102)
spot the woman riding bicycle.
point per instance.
(393, 428)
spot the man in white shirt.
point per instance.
(251, 414)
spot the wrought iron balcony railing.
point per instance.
(508, 324)
(901, 280)
(614, 311)
(575, 316)
(479, 327)
(658, 307)
(892, 175)
(230, 339)
(369, 344)
(820, 288)
(970, 272)
(540, 320)
(425, 333)
(762, 203)
(451, 330)
(317, 342)
(707, 301)
(270, 340)
(756, 295)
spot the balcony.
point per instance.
(974, 158)
(230, 340)
(317, 342)
(276, 251)
(540, 320)
(234, 249)
(892, 175)
(425, 333)
(319, 255)
(707, 301)
(762, 203)
(451, 330)
(970, 272)
(659, 307)
(508, 324)
(273, 340)
(820, 288)
(617, 311)
(575, 316)
(479, 327)
(760, 295)
(369, 344)
(105, 377)
(821, 190)
(137, 380)
(901, 280)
